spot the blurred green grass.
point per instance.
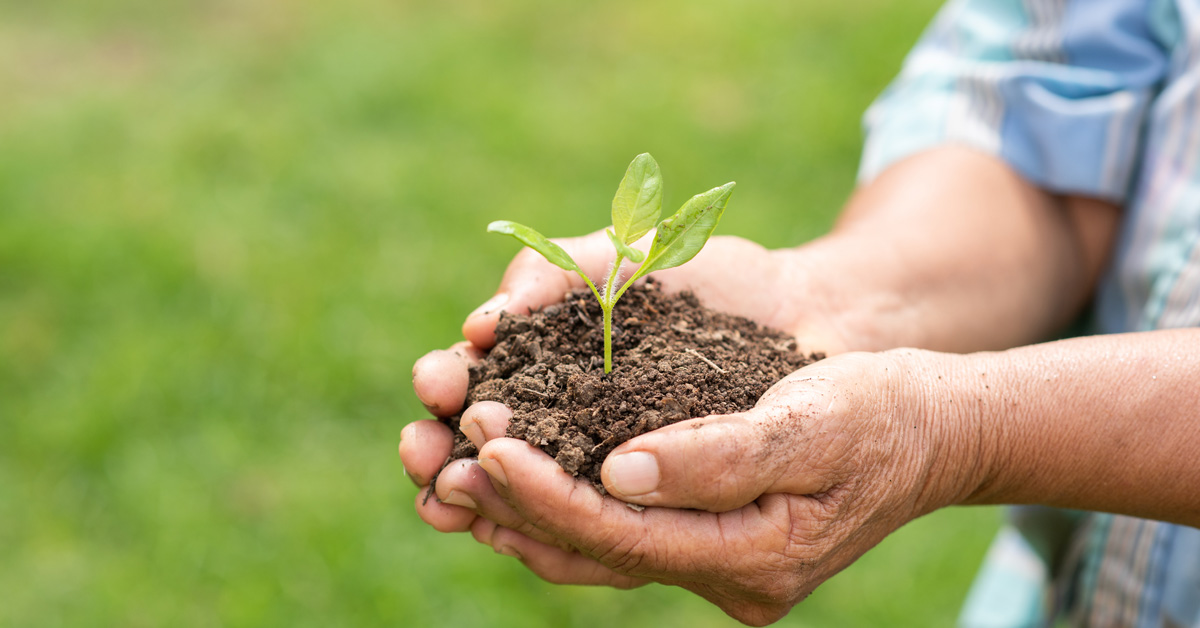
(227, 229)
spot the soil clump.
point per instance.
(673, 360)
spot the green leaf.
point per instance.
(629, 252)
(638, 202)
(536, 241)
(681, 236)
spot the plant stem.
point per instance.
(607, 304)
(607, 340)
(612, 277)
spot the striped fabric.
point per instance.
(1098, 98)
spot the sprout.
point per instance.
(635, 209)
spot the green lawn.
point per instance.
(228, 228)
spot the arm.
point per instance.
(1105, 423)
(947, 250)
(952, 250)
(859, 445)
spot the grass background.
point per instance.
(228, 228)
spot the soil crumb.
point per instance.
(672, 360)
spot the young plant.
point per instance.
(635, 208)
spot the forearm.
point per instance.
(1104, 423)
(951, 250)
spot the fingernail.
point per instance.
(509, 550)
(491, 305)
(494, 469)
(633, 474)
(472, 431)
(459, 498)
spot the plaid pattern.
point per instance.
(1098, 98)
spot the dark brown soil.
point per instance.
(672, 360)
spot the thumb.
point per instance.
(716, 463)
(531, 282)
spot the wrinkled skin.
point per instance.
(948, 249)
(792, 491)
(743, 286)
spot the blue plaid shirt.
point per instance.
(1096, 98)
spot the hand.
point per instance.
(832, 459)
(731, 274)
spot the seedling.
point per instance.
(635, 208)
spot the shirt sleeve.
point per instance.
(1058, 89)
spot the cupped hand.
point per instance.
(750, 511)
(730, 274)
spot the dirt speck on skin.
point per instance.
(672, 360)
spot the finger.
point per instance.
(550, 563)
(443, 517)
(440, 380)
(717, 463)
(483, 529)
(464, 483)
(484, 421)
(656, 543)
(468, 351)
(714, 463)
(424, 448)
(531, 282)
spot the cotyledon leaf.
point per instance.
(536, 241)
(629, 252)
(638, 201)
(680, 237)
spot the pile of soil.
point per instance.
(673, 359)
